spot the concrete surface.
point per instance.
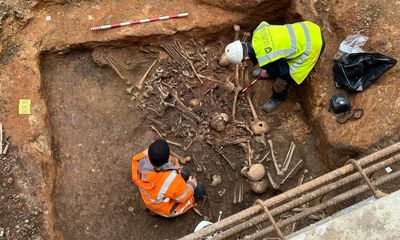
(369, 219)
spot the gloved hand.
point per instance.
(260, 72)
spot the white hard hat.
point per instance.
(234, 52)
(202, 225)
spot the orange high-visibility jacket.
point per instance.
(164, 192)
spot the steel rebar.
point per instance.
(366, 179)
(320, 207)
(271, 219)
(291, 193)
(305, 198)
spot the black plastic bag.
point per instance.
(356, 71)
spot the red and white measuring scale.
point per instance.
(139, 21)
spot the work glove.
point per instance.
(260, 72)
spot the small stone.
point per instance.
(130, 209)
(35, 237)
(194, 102)
(26, 221)
(146, 95)
(7, 168)
(156, 226)
(1, 231)
(10, 180)
(185, 73)
(297, 107)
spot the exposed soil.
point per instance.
(20, 216)
(68, 176)
(97, 127)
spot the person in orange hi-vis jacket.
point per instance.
(167, 189)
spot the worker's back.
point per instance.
(299, 43)
(164, 192)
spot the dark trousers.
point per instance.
(200, 189)
(280, 89)
(282, 83)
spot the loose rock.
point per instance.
(10, 180)
(194, 102)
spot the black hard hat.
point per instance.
(159, 152)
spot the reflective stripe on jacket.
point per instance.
(299, 43)
(163, 192)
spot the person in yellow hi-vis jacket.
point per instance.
(286, 53)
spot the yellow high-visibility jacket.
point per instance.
(299, 43)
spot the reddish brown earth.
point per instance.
(69, 163)
(379, 126)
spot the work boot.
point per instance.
(271, 104)
(256, 73)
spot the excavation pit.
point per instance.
(71, 154)
(98, 125)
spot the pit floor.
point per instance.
(95, 134)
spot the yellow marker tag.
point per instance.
(25, 102)
(24, 106)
